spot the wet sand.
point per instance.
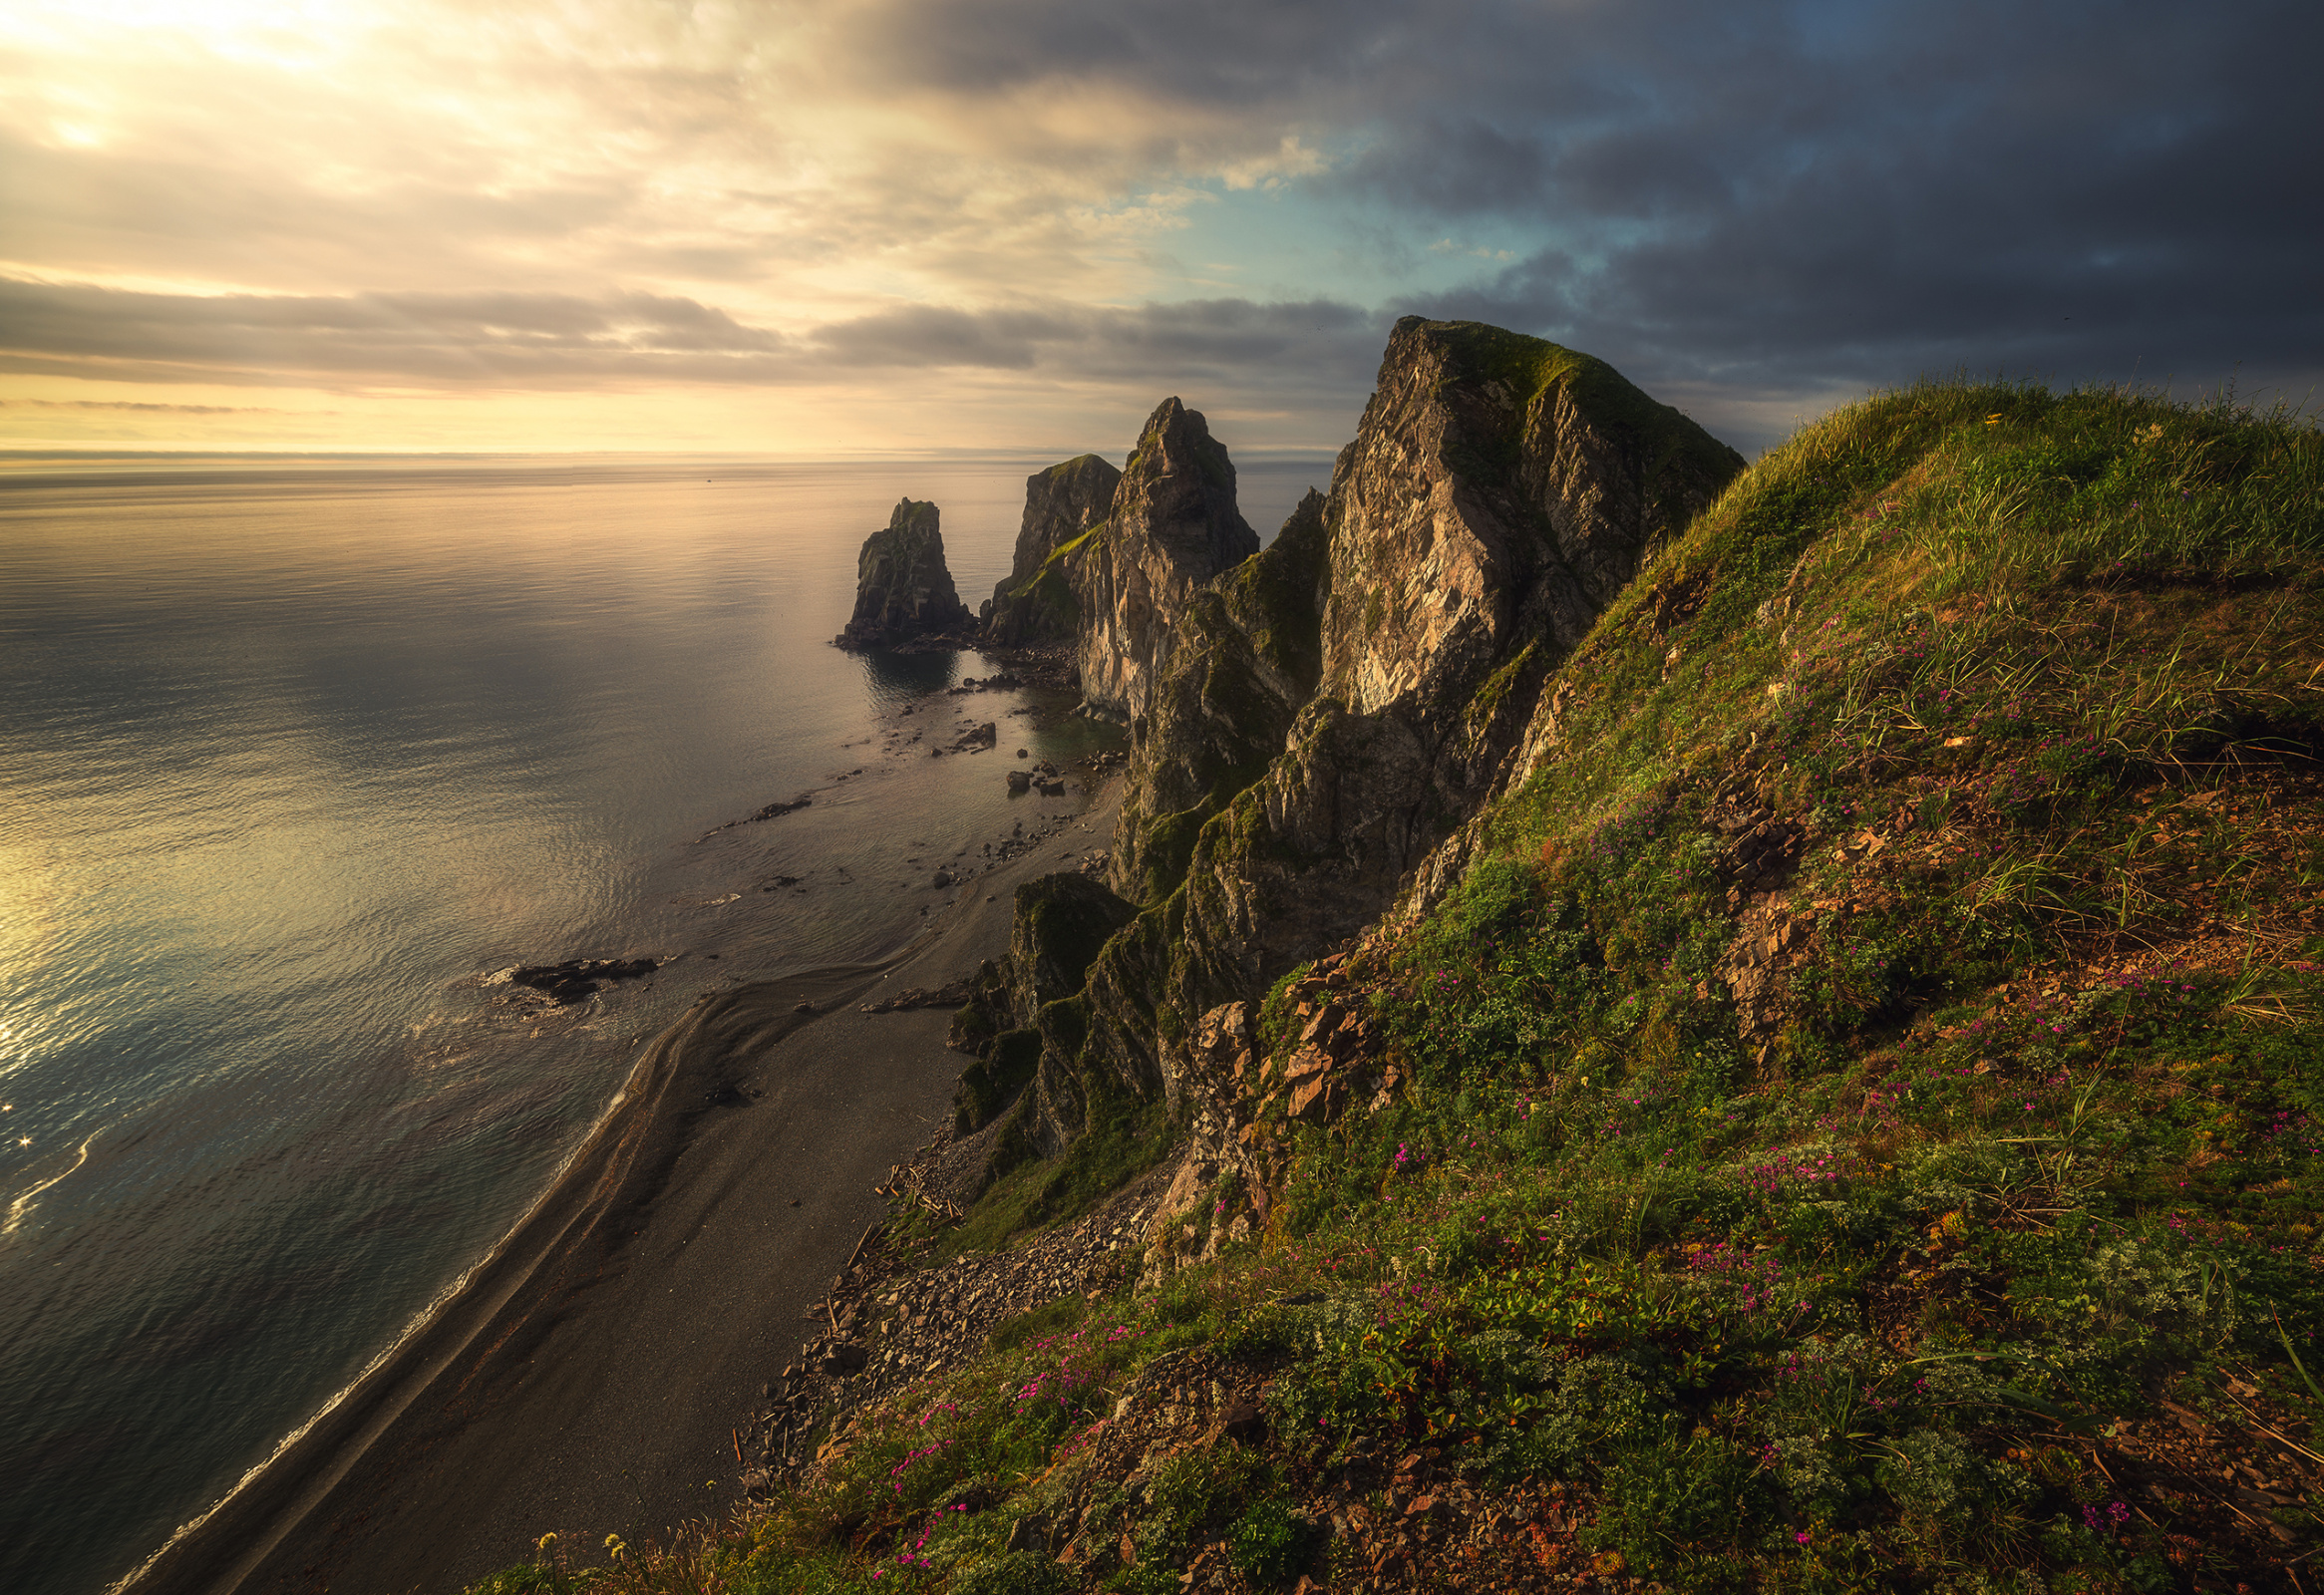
(588, 1378)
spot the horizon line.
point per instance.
(36, 454)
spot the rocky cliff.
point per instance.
(1499, 492)
(1172, 527)
(1038, 604)
(903, 589)
(1767, 1045)
(1308, 727)
(1245, 657)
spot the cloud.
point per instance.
(143, 406)
(546, 341)
(494, 339)
(1804, 192)
(1760, 201)
(1320, 342)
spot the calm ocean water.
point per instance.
(292, 760)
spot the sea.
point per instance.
(298, 758)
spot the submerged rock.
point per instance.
(579, 978)
(903, 589)
(952, 996)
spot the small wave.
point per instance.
(413, 1326)
(23, 1203)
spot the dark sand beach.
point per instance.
(587, 1379)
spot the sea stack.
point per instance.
(1173, 527)
(903, 588)
(1063, 504)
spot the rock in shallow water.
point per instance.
(903, 588)
(579, 978)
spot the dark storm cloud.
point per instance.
(2097, 190)
(2075, 192)
(1791, 195)
(1313, 346)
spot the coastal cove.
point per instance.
(929, 798)
(299, 760)
(636, 1310)
(1603, 1016)
(1649, 1022)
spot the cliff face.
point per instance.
(903, 589)
(1173, 527)
(1753, 850)
(1313, 726)
(1037, 604)
(1245, 656)
(1499, 492)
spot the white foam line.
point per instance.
(17, 1207)
(417, 1322)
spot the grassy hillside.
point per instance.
(1856, 1125)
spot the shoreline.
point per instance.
(476, 1381)
(213, 1552)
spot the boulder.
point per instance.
(1243, 1422)
(1318, 1100)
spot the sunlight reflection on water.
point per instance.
(289, 759)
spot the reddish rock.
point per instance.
(1318, 1101)
(1327, 1019)
(1305, 1063)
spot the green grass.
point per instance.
(1866, 1287)
(1122, 1140)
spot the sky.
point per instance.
(862, 227)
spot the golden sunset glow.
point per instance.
(871, 226)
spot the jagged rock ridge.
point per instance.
(1172, 527)
(903, 588)
(1247, 653)
(1037, 604)
(1309, 728)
